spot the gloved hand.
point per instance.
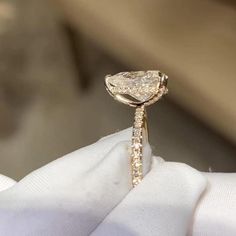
(88, 192)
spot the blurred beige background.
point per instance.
(193, 40)
(54, 56)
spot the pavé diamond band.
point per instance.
(137, 89)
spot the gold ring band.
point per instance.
(139, 139)
(137, 89)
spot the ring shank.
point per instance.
(139, 139)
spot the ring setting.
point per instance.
(137, 89)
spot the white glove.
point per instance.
(88, 192)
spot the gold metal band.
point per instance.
(139, 139)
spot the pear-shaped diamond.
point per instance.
(140, 85)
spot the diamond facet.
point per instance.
(140, 86)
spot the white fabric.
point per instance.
(6, 182)
(162, 204)
(88, 192)
(216, 211)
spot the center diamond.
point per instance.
(140, 85)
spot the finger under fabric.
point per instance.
(59, 198)
(6, 182)
(162, 204)
(70, 168)
(73, 209)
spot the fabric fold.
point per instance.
(162, 204)
(6, 182)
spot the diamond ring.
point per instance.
(137, 89)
